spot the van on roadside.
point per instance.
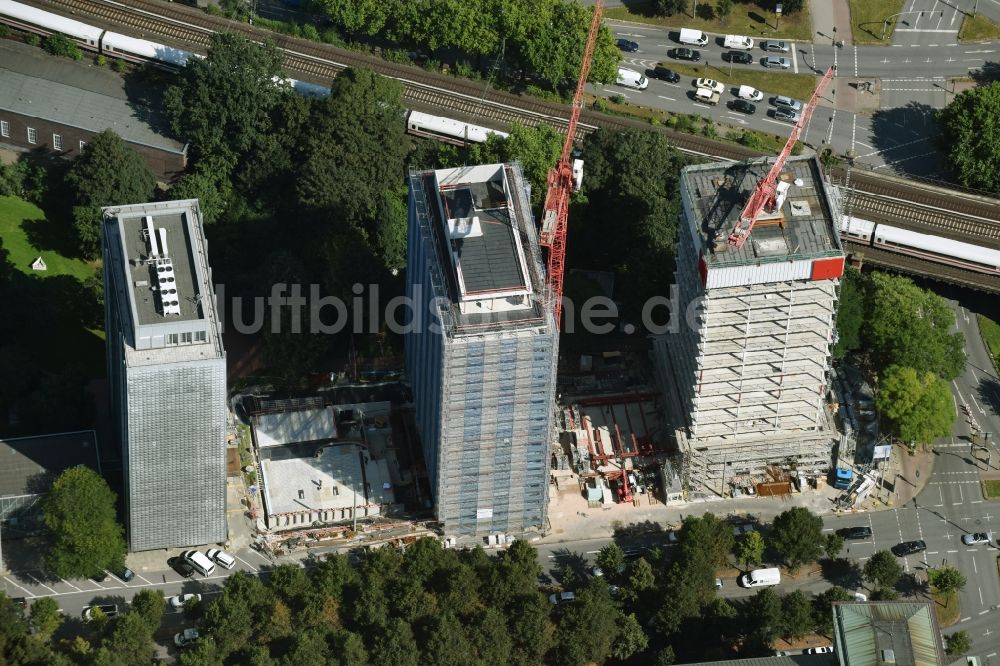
(693, 37)
(199, 561)
(631, 79)
(738, 42)
(761, 577)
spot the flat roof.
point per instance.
(323, 477)
(803, 227)
(38, 85)
(292, 427)
(483, 240)
(29, 465)
(149, 286)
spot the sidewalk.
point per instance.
(831, 20)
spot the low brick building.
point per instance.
(57, 105)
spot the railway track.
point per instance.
(886, 199)
(922, 268)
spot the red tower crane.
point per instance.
(767, 190)
(555, 215)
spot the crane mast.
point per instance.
(766, 193)
(555, 214)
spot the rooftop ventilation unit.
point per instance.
(164, 279)
(888, 657)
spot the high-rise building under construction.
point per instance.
(481, 349)
(745, 370)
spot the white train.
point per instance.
(448, 129)
(925, 246)
(98, 40)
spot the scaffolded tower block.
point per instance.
(745, 368)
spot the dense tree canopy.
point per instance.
(911, 327)
(80, 515)
(223, 104)
(970, 136)
(797, 536)
(850, 312)
(920, 408)
(536, 39)
(882, 569)
(108, 172)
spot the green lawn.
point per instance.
(991, 489)
(978, 28)
(755, 19)
(991, 334)
(27, 234)
(799, 86)
(867, 17)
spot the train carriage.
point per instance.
(141, 50)
(32, 19)
(936, 248)
(447, 129)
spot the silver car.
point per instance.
(977, 538)
(776, 61)
(775, 46)
(787, 115)
(783, 102)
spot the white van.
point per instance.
(750, 93)
(738, 42)
(693, 37)
(197, 559)
(761, 578)
(631, 79)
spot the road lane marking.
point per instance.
(255, 570)
(975, 570)
(665, 97)
(40, 582)
(70, 584)
(952, 31)
(965, 619)
(795, 60)
(15, 583)
(855, 62)
(951, 551)
(984, 612)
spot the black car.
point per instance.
(125, 574)
(628, 46)
(909, 548)
(742, 106)
(664, 74)
(741, 57)
(179, 565)
(859, 532)
(685, 54)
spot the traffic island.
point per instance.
(946, 606)
(991, 489)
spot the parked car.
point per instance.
(664, 74)
(561, 598)
(977, 538)
(125, 574)
(179, 565)
(858, 532)
(221, 557)
(179, 600)
(909, 547)
(860, 596)
(787, 115)
(741, 57)
(596, 572)
(750, 93)
(628, 46)
(711, 84)
(820, 650)
(776, 62)
(109, 610)
(775, 46)
(742, 106)
(787, 102)
(20, 602)
(685, 54)
(186, 637)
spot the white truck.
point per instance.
(631, 79)
(693, 37)
(761, 577)
(738, 42)
(707, 96)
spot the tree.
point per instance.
(611, 559)
(969, 136)
(750, 549)
(723, 8)
(796, 615)
(61, 45)
(640, 579)
(45, 617)
(108, 172)
(223, 103)
(631, 638)
(822, 608)
(884, 594)
(833, 544)
(792, 6)
(919, 407)
(911, 327)
(394, 645)
(149, 605)
(850, 312)
(957, 643)
(668, 7)
(587, 627)
(85, 535)
(763, 615)
(210, 183)
(446, 642)
(882, 569)
(797, 536)
(947, 580)
(705, 539)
